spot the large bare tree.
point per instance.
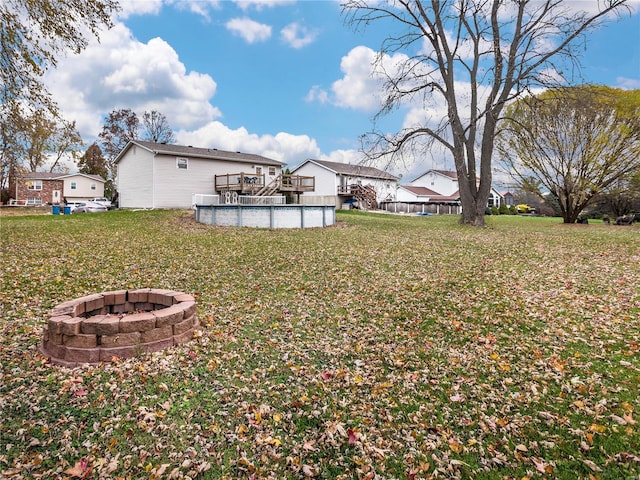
(574, 143)
(471, 57)
(156, 128)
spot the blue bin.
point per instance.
(67, 210)
(55, 209)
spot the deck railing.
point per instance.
(239, 181)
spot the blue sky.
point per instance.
(286, 79)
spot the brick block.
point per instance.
(183, 326)
(157, 334)
(53, 350)
(115, 297)
(55, 338)
(92, 302)
(183, 297)
(138, 296)
(156, 346)
(183, 337)
(54, 324)
(169, 316)
(66, 308)
(82, 355)
(137, 322)
(107, 354)
(101, 325)
(79, 309)
(80, 341)
(162, 297)
(189, 308)
(143, 306)
(71, 326)
(98, 311)
(122, 308)
(120, 340)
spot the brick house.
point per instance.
(41, 188)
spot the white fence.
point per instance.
(202, 199)
(266, 200)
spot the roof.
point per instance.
(420, 191)
(59, 176)
(444, 173)
(197, 152)
(352, 170)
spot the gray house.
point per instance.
(157, 175)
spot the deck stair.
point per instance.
(365, 195)
(271, 188)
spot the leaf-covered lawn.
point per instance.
(385, 347)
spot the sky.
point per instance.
(286, 79)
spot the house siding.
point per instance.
(326, 183)
(147, 180)
(174, 187)
(437, 182)
(135, 179)
(83, 189)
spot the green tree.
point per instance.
(93, 162)
(34, 33)
(574, 143)
(468, 57)
(119, 128)
(44, 139)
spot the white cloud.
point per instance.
(627, 83)
(285, 147)
(360, 88)
(261, 4)
(298, 36)
(121, 72)
(317, 94)
(250, 30)
(153, 7)
(136, 7)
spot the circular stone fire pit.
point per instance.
(117, 325)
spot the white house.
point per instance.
(157, 175)
(78, 187)
(39, 188)
(435, 191)
(344, 184)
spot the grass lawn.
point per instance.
(385, 347)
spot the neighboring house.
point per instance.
(345, 184)
(79, 187)
(435, 191)
(157, 175)
(508, 198)
(40, 188)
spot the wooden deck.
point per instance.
(252, 184)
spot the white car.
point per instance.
(101, 201)
(89, 207)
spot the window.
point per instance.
(272, 171)
(34, 201)
(34, 185)
(74, 185)
(258, 170)
(182, 163)
(93, 186)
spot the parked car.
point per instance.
(89, 207)
(101, 201)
